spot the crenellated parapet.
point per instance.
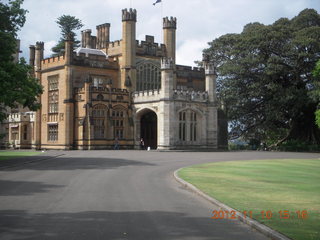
(150, 48)
(193, 96)
(167, 64)
(209, 65)
(209, 68)
(53, 62)
(190, 72)
(170, 22)
(129, 15)
(39, 45)
(146, 96)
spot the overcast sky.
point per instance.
(199, 21)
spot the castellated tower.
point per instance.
(211, 76)
(169, 36)
(128, 61)
(167, 77)
(166, 108)
(67, 95)
(38, 55)
(210, 84)
(39, 49)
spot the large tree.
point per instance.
(316, 92)
(265, 78)
(67, 24)
(17, 86)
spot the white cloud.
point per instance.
(199, 21)
(47, 48)
(190, 51)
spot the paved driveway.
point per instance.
(113, 195)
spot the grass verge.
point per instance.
(287, 185)
(4, 155)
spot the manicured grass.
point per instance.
(14, 154)
(262, 185)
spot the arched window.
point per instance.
(182, 126)
(188, 126)
(99, 120)
(118, 119)
(193, 126)
(148, 76)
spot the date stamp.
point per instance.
(265, 214)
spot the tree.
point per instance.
(265, 78)
(17, 86)
(316, 93)
(67, 24)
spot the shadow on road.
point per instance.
(67, 163)
(23, 188)
(113, 225)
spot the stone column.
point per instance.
(128, 48)
(166, 114)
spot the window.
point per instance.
(148, 76)
(53, 94)
(193, 126)
(98, 81)
(118, 123)
(99, 120)
(25, 132)
(14, 133)
(188, 126)
(182, 126)
(53, 132)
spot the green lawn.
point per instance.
(262, 185)
(14, 154)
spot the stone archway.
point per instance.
(148, 129)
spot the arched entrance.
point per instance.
(148, 129)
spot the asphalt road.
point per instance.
(114, 195)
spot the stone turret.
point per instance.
(103, 35)
(211, 76)
(128, 63)
(167, 77)
(169, 36)
(130, 15)
(39, 55)
(86, 38)
(32, 55)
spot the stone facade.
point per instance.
(122, 91)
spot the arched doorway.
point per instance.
(148, 129)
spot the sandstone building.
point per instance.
(122, 91)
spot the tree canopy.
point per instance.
(17, 86)
(265, 78)
(67, 25)
(316, 74)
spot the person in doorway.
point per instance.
(116, 144)
(142, 144)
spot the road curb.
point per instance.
(267, 231)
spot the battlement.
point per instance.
(108, 90)
(187, 95)
(149, 47)
(170, 22)
(53, 62)
(116, 43)
(78, 90)
(21, 117)
(209, 68)
(189, 68)
(39, 45)
(167, 63)
(130, 15)
(146, 96)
